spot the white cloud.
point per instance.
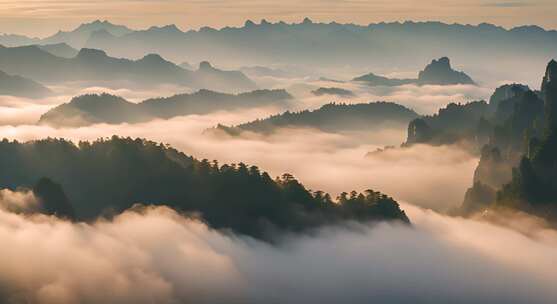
(155, 255)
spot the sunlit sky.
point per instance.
(42, 17)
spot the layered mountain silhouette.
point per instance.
(106, 177)
(518, 166)
(106, 108)
(322, 44)
(438, 72)
(95, 66)
(12, 40)
(78, 37)
(332, 118)
(21, 87)
(60, 50)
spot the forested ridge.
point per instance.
(106, 108)
(333, 117)
(108, 176)
(518, 166)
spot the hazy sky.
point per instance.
(43, 17)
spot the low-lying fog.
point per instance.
(439, 258)
(323, 161)
(448, 260)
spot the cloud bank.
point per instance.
(441, 259)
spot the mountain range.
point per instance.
(106, 108)
(378, 45)
(96, 67)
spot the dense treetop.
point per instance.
(333, 117)
(110, 175)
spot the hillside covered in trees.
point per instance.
(108, 176)
(518, 167)
(106, 108)
(333, 118)
(472, 122)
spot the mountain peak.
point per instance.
(101, 33)
(170, 28)
(98, 25)
(307, 21)
(205, 65)
(98, 22)
(443, 62)
(95, 25)
(249, 23)
(153, 58)
(440, 72)
(86, 53)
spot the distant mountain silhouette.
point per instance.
(333, 91)
(21, 87)
(332, 118)
(379, 45)
(60, 50)
(95, 66)
(79, 36)
(11, 40)
(106, 108)
(220, 78)
(376, 80)
(438, 72)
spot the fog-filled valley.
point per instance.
(281, 163)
